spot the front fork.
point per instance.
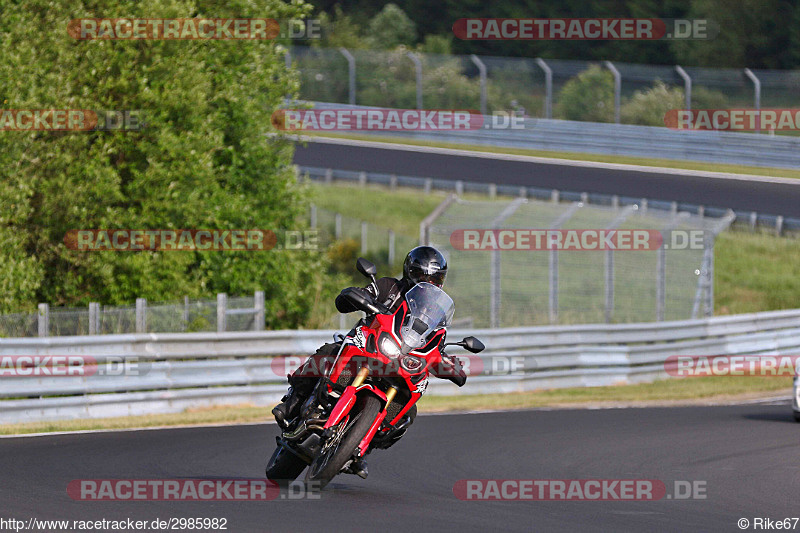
(348, 399)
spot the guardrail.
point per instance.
(726, 147)
(189, 370)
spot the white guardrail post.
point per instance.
(756, 95)
(548, 87)
(222, 316)
(43, 318)
(141, 315)
(351, 74)
(260, 311)
(687, 86)
(617, 88)
(482, 70)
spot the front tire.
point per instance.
(328, 464)
(796, 416)
(284, 467)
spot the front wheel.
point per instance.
(284, 466)
(333, 458)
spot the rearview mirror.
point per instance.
(366, 267)
(471, 344)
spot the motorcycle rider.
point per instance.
(422, 264)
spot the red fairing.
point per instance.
(363, 350)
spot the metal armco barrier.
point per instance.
(735, 148)
(189, 370)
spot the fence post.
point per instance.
(643, 208)
(701, 211)
(779, 225)
(313, 220)
(661, 265)
(222, 307)
(609, 264)
(362, 178)
(757, 95)
(753, 220)
(258, 304)
(44, 320)
(391, 247)
(673, 208)
(185, 313)
(495, 275)
(351, 72)
(492, 190)
(617, 88)
(141, 315)
(482, 70)
(548, 87)
(554, 196)
(584, 197)
(428, 185)
(709, 303)
(552, 275)
(337, 219)
(418, 70)
(328, 176)
(523, 192)
(459, 187)
(94, 318)
(615, 201)
(687, 86)
(393, 182)
(363, 237)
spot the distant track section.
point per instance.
(777, 196)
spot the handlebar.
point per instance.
(362, 300)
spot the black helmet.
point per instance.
(425, 263)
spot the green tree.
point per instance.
(391, 28)
(202, 161)
(589, 96)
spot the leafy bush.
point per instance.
(648, 107)
(589, 96)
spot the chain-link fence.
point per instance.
(519, 286)
(223, 314)
(532, 87)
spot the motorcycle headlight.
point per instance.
(388, 346)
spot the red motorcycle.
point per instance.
(365, 394)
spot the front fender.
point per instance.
(348, 399)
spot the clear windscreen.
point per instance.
(429, 307)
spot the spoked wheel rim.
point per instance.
(333, 447)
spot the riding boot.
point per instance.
(289, 407)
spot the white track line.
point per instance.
(548, 160)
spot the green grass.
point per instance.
(401, 210)
(690, 390)
(576, 156)
(756, 272)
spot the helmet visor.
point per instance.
(437, 278)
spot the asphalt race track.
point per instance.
(777, 197)
(747, 455)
